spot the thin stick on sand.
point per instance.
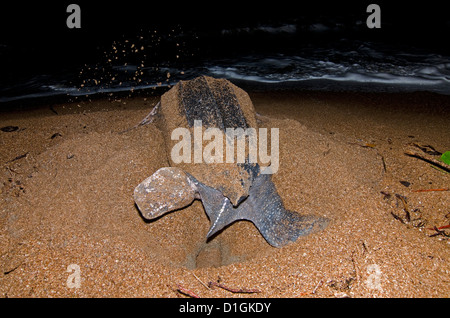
(429, 159)
(201, 281)
(440, 227)
(234, 290)
(186, 291)
(430, 190)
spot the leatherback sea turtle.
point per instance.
(228, 191)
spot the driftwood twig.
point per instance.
(428, 158)
(430, 190)
(186, 291)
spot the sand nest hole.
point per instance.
(181, 240)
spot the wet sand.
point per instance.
(68, 176)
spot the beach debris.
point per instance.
(405, 183)
(15, 187)
(344, 284)
(9, 128)
(9, 271)
(55, 135)
(407, 215)
(440, 170)
(445, 158)
(425, 156)
(233, 290)
(386, 195)
(201, 282)
(229, 192)
(440, 231)
(383, 161)
(397, 217)
(412, 217)
(361, 143)
(440, 227)
(431, 190)
(186, 292)
(428, 149)
(18, 157)
(210, 286)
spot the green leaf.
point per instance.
(446, 157)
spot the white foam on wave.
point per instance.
(358, 65)
(427, 73)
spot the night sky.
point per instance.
(41, 25)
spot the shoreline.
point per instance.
(320, 86)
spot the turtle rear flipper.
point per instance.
(264, 208)
(166, 190)
(279, 226)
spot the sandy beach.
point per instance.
(70, 228)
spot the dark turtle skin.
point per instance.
(229, 191)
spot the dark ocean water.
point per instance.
(132, 47)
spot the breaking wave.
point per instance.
(362, 65)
